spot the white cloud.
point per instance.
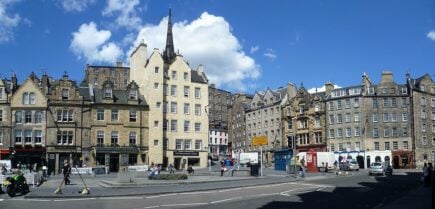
(431, 35)
(270, 53)
(207, 40)
(321, 89)
(8, 21)
(92, 44)
(254, 49)
(127, 13)
(75, 5)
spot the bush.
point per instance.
(170, 177)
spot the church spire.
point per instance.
(169, 53)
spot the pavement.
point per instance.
(108, 186)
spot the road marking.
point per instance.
(1, 200)
(227, 190)
(184, 204)
(78, 199)
(225, 200)
(38, 200)
(163, 195)
(120, 198)
(262, 195)
(155, 206)
(205, 192)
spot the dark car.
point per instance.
(388, 169)
(344, 166)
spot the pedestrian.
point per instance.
(335, 165)
(223, 169)
(326, 167)
(302, 168)
(66, 172)
(171, 169)
(190, 170)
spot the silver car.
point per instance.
(376, 168)
(353, 165)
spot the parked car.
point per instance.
(353, 165)
(388, 169)
(344, 166)
(376, 168)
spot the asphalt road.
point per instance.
(355, 191)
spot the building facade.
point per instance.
(6, 88)
(422, 92)
(237, 123)
(97, 75)
(177, 96)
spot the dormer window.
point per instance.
(108, 92)
(133, 94)
(65, 94)
(2, 92)
(26, 98)
(371, 90)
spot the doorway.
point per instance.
(177, 163)
(360, 160)
(368, 161)
(114, 163)
(395, 162)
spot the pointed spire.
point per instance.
(169, 53)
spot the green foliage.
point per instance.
(170, 177)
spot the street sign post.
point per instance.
(260, 140)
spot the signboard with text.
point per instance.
(259, 140)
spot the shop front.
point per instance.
(402, 159)
(182, 159)
(27, 157)
(117, 158)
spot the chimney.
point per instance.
(119, 63)
(201, 69)
(387, 77)
(329, 87)
(291, 90)
(14, 82)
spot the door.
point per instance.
(114, 163)
(368, 161)
(360, 160)
(51, 164)
(395, 162)
(177, 162)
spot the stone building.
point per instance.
(6, 90)
(386, 123)
(422, 92)
(237, 123)
(264, 119)
(177, 96)
(97, 75)
(219, 103)
(28, 125)
(68, 125)
(304, 121)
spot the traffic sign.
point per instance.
(260, 140)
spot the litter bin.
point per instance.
(254, 169)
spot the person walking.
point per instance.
(66, 172)
(302, 168)
(171, 169)
(223, 169)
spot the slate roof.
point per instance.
(197, 78)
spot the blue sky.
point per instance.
(244, 45)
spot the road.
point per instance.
(355, 191)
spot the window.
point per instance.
(133, 115)
(173, 107)
(332, 148)
(38, 136)
(424, 140)
(317, 122)
(179, 144)
(165, 124)
(331, 133)
(26, 98)
(348, 132)
(385, 102)
(433, 115)
(375, 117)
(198, 144)
(1, 115)
(158, 104)
(114, 138)
(406, 146)
(357, 131)
(375, 132)
(132, 94)
(186, 126)
(156, 124)
(386, 132)
(356, 117)
(114, 115)
(186, 108)
(197, 109)
(404, 131)
(165, 89)
(64, 137)
(393, 102)
(173, 90)
(2, 92)
(338, 104)
(347, 118)
(100, 114)
(423, 127)
(394, 132)
(18, 117)
(132, 138)
(197, 127)
(156, 85)
(339, 133)
(108, 93)
(186, 76)
(374, 103)
(165, 143)
(18, 136)
(340, 147)
(187, 144)
(173, 125)
(357, 146)
(100, 137)
(186, 91)
(339, 118)
(174, 75)
(197, 93)
(376, 145)
(347, 103)
(423, 114)
(393, 117)
(433, 101)
(67, 115)
(404, 102)
(28, 117)
(356, 102)
(38, 117)
(156, 142)
(331, 119)
(28, 136)
(165, 107)
(32, 98)
(330, 105)
(65, 94)
(395, 146)
(385, 117)
(404, 116)
(387, 145)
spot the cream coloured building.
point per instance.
(177, 96)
